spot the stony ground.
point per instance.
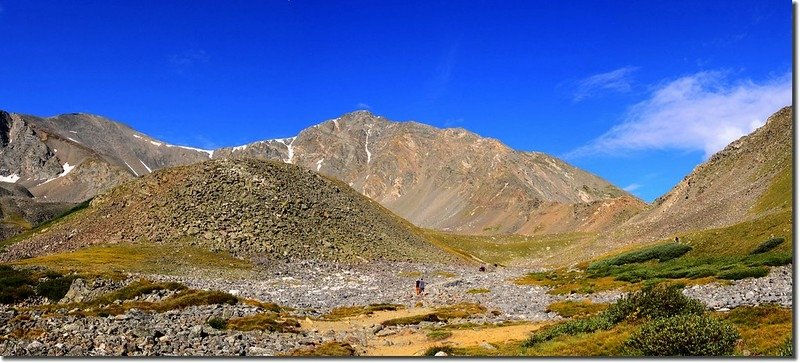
(314, 290)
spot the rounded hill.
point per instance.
(265, 210)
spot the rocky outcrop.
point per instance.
(265, 210)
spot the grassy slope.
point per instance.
(112, 260)
(508, 249)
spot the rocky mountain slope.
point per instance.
(447, 179)
(751, 177)
(451, 179)
(266, 210)
(72, 157)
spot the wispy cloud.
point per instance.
(188, 58)
(363, 106)
(443, 73)
(618, 80)
(700, 112)
(632, 187)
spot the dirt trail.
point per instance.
(348, 324)
(411, 343)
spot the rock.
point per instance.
(487, 346)
(440, 354)
(258, 351)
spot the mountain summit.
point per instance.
(450, 179)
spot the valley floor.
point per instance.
(310, 292)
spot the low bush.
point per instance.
(653, 302)
(738, 273)
(569, 308)
(460, 310)
(54, 289)
(571, 327)
(265, 322)
(662, 253)
(767, 245)
(217, 323)
(439, 335)
(769, 259)
(684, 335)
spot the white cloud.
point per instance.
(632, 187)
(363, 106)
(618, 80)
(701, 112)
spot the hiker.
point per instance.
(418, 286)
(677, 240)
(421, 287)
(482, 269)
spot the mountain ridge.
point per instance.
(449, 179)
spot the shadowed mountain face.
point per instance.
(450, 179)
(266, 210)
(750, 178)
(447, 179)
(71, 158)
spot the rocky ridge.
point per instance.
(721, 191)
(264, 210)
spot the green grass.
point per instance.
(763, 328)
(570, 308)
(117, 259)
(268, 321)
(437, 335)
(779, 193)
(662, 253)
(478, 291)
(507, 249)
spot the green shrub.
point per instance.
(779, 259)
(439, 335)
(662, 253)
(217, 323)
(767, 245)
(739, 273)
(684, 335)
(570, 327)
(653, 302)
(55, 289)
(12, 295)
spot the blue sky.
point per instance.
(638, 92)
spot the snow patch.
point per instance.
(156, 143)
(145, 166)
(319, 163)
(209, 152)
(67, 168)
(9, 179)
(240, 147)
(74, 132)
(366, 146)
(137, 136)
(73, 140)
(134, 171)
(289, 149)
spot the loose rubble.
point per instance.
(314, 289)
